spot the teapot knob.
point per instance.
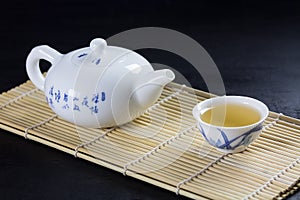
(98, 45)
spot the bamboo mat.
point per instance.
(163, 146)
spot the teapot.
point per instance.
(97, 86)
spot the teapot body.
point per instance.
(91, 90)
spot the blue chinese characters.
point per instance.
(75, 103)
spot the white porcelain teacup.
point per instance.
(226, 138)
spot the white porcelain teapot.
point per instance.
(97, 86)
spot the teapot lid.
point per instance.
(97, 53)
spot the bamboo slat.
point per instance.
(163, 147)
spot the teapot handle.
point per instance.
(32, 63)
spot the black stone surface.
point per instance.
(256, 46)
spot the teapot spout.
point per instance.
(149, 87)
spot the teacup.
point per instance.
(233, 134)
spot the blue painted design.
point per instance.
(95, 98)
(226, 141)
(98, 61)
(203, 133)
(51, 102)
(57, 96)
(66, 107)
(244, 135)
(76, 107)
(65, 97)
(218, 143)
(81, 55)
(247, 138)
(209, 140)
(60, 98)
(94, 109)
(51, 91)
(102, 96)
(85, 101)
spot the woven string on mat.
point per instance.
(37, 125)
(125, 167)
(18, 97)
(178, 135)
(274, 178)
(92, 141)
(198, 173)
(273, 123)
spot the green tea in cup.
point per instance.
(230, 115)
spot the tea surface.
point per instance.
(230, 115)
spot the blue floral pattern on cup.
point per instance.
(227, 144)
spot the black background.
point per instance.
(256, 46)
